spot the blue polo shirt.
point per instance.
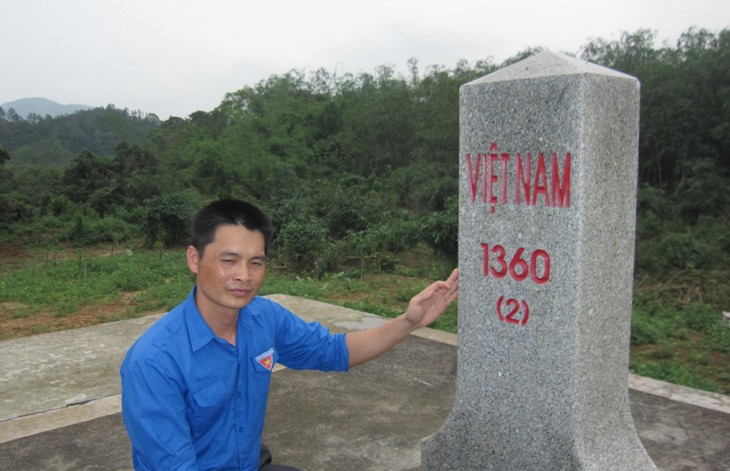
(193, 401)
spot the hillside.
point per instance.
(55, 141)
(41, 107)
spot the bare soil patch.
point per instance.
(14, 324)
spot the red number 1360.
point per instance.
(517, 266)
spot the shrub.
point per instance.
(701, 317)
(167, 217)
(644, 330)
(84, 231)
(302, 243)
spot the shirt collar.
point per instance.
(245, 315)
(200, 332)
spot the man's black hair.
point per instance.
(229, 211)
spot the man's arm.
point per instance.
(153, 410)
(423, 309)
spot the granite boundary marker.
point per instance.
(548, 174)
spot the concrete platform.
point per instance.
(60, 404)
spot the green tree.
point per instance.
(685, 116)
(91, 180)
(168, 217)
(4, 156)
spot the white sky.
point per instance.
(174, 57)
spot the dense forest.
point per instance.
(359, 169)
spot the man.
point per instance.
(195, 385)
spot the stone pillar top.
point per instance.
(547, 64)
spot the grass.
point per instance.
(385, 295)
(685, 342)
(687, 345)
(42, 293)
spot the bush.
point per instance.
(168, 217)
(654, 322)
(709, 321)
(644, 330)
(302, 243)
(84, 231)
(440, 230)
(59, 205)
(700, 317)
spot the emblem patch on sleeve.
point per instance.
(266, 359)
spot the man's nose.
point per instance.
(242, 272)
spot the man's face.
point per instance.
(230, 271)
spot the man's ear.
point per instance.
(193, 259)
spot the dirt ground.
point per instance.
(13, 325)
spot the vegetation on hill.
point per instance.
(55, 141)
(360, 175)
(33, 108)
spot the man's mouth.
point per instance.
(240, 292)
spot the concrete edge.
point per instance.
(25, 426)
(342, 319)
(675, 392)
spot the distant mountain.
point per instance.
(41, 107)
